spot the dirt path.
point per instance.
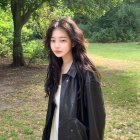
(13, 81)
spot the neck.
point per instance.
(67, 60)
(66, 65)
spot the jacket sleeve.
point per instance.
(49, 116)
(95, 108)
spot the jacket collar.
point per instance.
(72, 71)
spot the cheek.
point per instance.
(70, 46)
(51, 46)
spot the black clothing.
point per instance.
(79, 118)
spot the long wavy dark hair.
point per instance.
(80, 58)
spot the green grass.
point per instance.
(121, 88)
(121, 51)
(119, 65)
(120, 85)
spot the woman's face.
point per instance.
(60, 43)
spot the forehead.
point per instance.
(59, 33)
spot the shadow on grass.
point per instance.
(120, 88)
(21, 75)
(17, 85)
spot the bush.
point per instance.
(4, 51)
(119, 24)
(34, 50)
(27, 34)
(6, 32)
(87, 29)
(105, 35)
(42, 18)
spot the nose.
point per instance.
(56, 44)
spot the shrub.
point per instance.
(34, 50)
(119, 24)
(6, 31)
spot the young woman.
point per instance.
(75, 108)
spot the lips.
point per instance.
(57, 51)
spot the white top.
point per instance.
(55, 121)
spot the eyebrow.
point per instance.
(59, 37)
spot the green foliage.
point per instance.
(34, 50)
(121, 23)
(3, 3)
(104, 35)
(6, 30)
(87, 29)
(61, 11)
(27, 34)
(91, 8)
(22, 11)
(125, 22)
(36, 29)
(43, 17)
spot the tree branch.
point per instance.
(26, 15)
(13, 8)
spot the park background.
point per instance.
(112, 28)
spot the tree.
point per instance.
(121, 23)
(22, 10)
(42, 18)
(6, 30)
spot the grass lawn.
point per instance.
(121, 51)
(119, 65)
(23, 107)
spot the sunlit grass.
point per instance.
(121, 91)
(119, 65)
(121, 51)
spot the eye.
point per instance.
(63, 40)
(52, 40)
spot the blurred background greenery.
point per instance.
(113, 21)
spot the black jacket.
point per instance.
(79, 118)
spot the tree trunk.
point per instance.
(21, 12)
(18, 59)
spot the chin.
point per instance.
(58, 56)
